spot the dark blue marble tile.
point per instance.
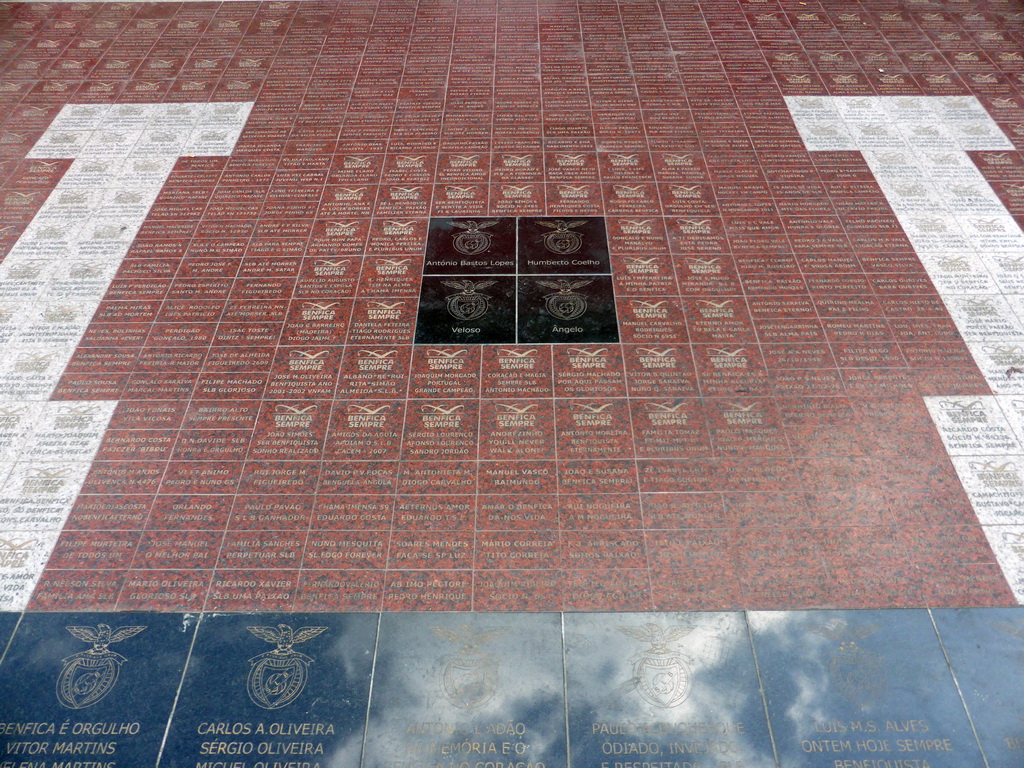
(986, 649)
(274, 690)
(91, 689)
(669, 690)
(8, 621)
(860, 689)
(467, 690)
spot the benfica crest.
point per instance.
(562, 240)
(661, 675)
(567, 304)
(470, 677)
(90, 675)
(858, 673)
(474, 240)
(469, 303)
(277, 677)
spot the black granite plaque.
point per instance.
(467, 690)
(852, 688)
(985, 646)
(483, 246)
(676, 690)
(563, 246)
(91, 689)
(265, 690)
(567, 309)
(467, 309)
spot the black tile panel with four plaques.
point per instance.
(507, 281)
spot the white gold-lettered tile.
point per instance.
(180, 117)
(82, 280)
(163, 141)
(934, 231)
(949, 165)
(52, 234)
(106, 238)
(1007, 269)
(91, 174)
(979, 135)
(121, 116)
(911, 196)
(61, 143)
(39, 495)
(984, 317)
(131, 203)
(957, 272)
(1007, 542)
(49, 480)
(971, 197)
(23, 555)
(876, 134)
(229, 115)
(17, 420)
(111, 142)
(908, 108)
(959, 108)
(986, 232)
(826, 136)
(54, 321)
(812, 108)
(995, 486)
(22, 278)
(1012, 407)
(149, 171)
(31, 371)
(860, 109)
(1001, 363)
(925, 134)
(970, 426)
(68, 431)
(70, 202)
(79, 117)
(897, 165)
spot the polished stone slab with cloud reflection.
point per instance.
(286, 689)
(860, 688)
(985, 647)
(674, 689)
(91, 689)
(458, 689)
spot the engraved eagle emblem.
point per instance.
(89, 676)
(661, 675)
(277, 678)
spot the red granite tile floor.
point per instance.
(757, 435)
